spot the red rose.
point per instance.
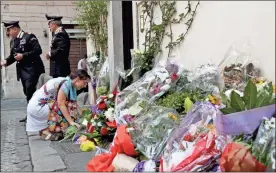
(111, 124)
(104, 131)
(188, 137)
(90, 128)
(102, 106)
(174, 77)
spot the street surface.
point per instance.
(15, 151)
(27, 152)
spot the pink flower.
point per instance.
(174, 77)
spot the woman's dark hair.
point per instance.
(82, 74)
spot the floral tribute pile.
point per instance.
(210, 119)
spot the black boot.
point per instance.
(23, 120)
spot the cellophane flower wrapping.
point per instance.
(238, 123)
(150, 131)
(135, 65)
(264, 144)
(238, 65)
(193, 146)
(103, 84)
(248, 156)
(155, 83)
(205, 77)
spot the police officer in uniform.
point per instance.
(60, 47)
(25, 50)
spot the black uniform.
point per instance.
(60, 48)
(59, 54)
(30, 67)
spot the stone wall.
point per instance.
(31, 15)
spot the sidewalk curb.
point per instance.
(43, 157)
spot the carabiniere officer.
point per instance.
(60, 48)
(25, 50)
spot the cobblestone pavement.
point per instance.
(15, 151)
(22, 152)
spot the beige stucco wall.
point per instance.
(217, 25)
(31, 15)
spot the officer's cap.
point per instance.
(11, 24)
(53, 18)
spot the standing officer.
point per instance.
(25, 51)
(60, 48)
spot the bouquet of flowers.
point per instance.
(99, 121)
(254, 103)
(103, 84)
(140, 94)
(205, 77)
(193, 146)
(237, 66)
(150, 131)
(248, 156)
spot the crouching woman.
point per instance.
(54, 106)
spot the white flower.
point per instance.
(228, 93)
(109, 114)
(92, 59)
(267, 126)
(99, 124)
(168, 81)
(84, 122)
(93, 123)
(262, 141)
(110, 96)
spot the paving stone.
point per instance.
(25, 166)
(40, 147)
(32, 134)
(48, 163)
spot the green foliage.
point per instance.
(92, 16)
(155, 33)
(87, 114)
(181, 101)
(252, 99)
(102, 90)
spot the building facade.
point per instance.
(31, 15)
(216, 27)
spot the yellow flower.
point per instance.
(172, 116)
(260, 82)
(274, 90)
(87, 146)
(214, 99)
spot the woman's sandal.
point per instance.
(46, 135)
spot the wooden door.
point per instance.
(77, 51)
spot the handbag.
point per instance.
(57, 123)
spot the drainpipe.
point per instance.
(3, 70)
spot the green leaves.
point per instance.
(228, 110)
(87, 115)
(250, 95)
(265, 96)
(251, 99)
(237, 102)
(181, 101)
(263, 99)
(188, 104)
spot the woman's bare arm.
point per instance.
(61, 99)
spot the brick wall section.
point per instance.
(31, 15)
